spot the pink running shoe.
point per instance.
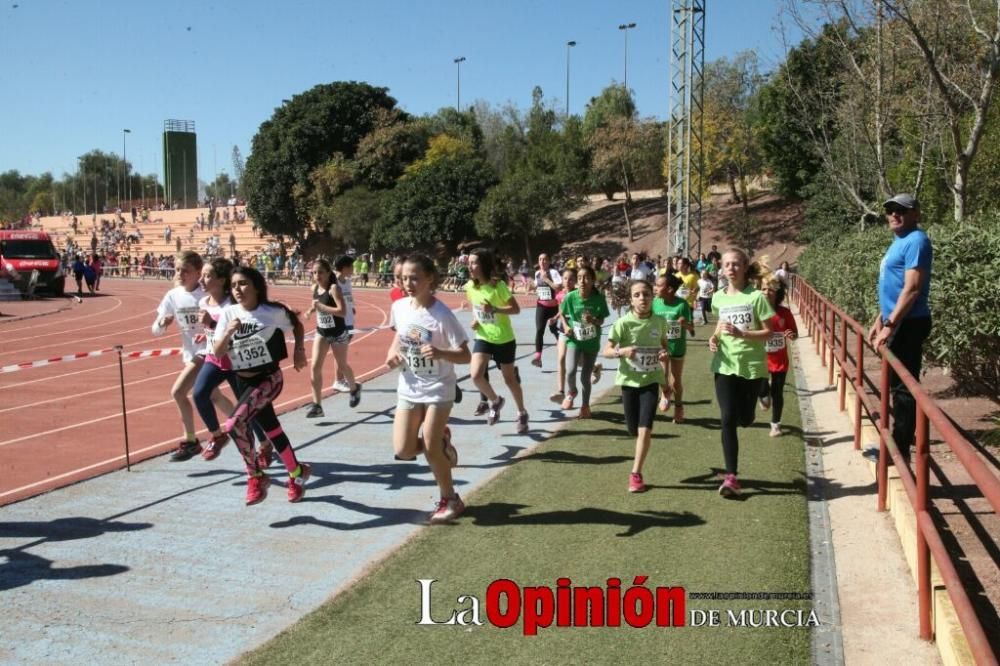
(257, 489)
(635, 483)
(447, 510)
(730, 486)
(214, 446)
(297, 486)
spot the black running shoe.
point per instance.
(355, 396)
(458, 394)
(185, 451)
(315, 411)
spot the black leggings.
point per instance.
(543, 313)
(737, 398)
(776, 390)
(639, 405)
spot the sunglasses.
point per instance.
(896, 210)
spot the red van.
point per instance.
(24, 251)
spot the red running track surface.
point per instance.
(62, 423)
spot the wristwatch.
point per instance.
(888, 323)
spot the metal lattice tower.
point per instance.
(686, 173)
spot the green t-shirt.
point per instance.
(494, 327)
(740, 356)
(649, 336)
(676, 334)
(585, 336)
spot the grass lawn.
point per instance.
(563, 511)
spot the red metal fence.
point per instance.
(840, 340)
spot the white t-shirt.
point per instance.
(214, 311)
(640, 272)
(426, 380)
(546, 294)
(348, 292)
(705, 288)
(182, 305)
(260, 340)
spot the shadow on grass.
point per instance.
(498, 514)
(576, 458)
(751, 487)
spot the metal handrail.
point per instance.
(821, 318)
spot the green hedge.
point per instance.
(965, 292)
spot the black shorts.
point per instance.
(640, 406)
(502, 354)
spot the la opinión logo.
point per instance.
(507, 603)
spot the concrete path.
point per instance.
(877, 595)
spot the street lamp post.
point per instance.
(458, 83)
(569, 45)
(625, 27)
(124, 170)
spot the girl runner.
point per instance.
(429, 340)
(215, 281)
(782, 328)
(583, 312)
(640, 340)
(345, 383)
(569, 284)
(252, 333)
(180, 304)
(677, 312)
(492, 304)
(331, 333)
(547, 283)
(705, 289)
(739, 361)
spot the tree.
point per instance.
(435, 204)
(608, 119)
(350, 217)
(384, 153)
(304, 133)
(221, 188)
(519, 205)
(731, 147)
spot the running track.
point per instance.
(62, 423)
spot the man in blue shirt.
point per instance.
(904, 320)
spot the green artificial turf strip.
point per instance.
(563, 511)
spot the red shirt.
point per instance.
(396, 293)
(777, 354)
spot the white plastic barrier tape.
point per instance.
(148, 353)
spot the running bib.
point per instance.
(740, 316)
(325, 320)
(674, 330)
(484, 317)
(584, 331)
(683, 292)
(188, 318)
(776, 342)
(544, 292)
(418, 365)
(249, 353)
(349, 298)
(646, 359)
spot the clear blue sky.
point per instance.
(76, 72)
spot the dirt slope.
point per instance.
(599, 226)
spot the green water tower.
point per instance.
(180, 163)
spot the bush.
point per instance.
(843, 266)
(964, 296)
(965, 303)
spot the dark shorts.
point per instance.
(640, 406)
(502, 354)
